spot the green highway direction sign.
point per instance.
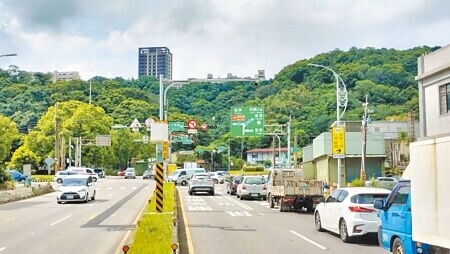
(184, 139)
(176, 126)
(247, 121)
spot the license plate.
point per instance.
(69, 196)
(254, 194)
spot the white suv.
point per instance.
(85, 171)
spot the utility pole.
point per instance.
(289, 143)
(57, 141)
(364, 141)
(273, 151)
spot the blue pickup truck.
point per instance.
(395, 234)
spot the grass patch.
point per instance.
(154, 232)
(42, 178)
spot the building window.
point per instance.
(444, 98)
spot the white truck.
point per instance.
(288, 189)
(414, 218)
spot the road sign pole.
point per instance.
(159, 190)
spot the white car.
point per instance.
(130, 173)
(201, 182)
(350, 212)
(76, 188)
(217, 177)
(61, 175)
(85, 171)
(252, 187)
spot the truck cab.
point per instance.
(395, 233)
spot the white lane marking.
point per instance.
(147, 188)
(3, 248)
(110, 195)
(58, 221)
(109, 188)
(134, 188)
(239, 214)
(7, 220)
(239, 204)
(122, 188)
(308, 240)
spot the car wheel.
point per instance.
(94, 179)
(343, 231)
(59, 202)
(93, 197)
(212, 193)
(310, 208)
(318, 222)
(190, 193)
(183, 183)
(241, 197)
(215, 181)
(271, 203)
(222, 181)
(397, 246)
(59, 180)
(264, 198)
(86, 199)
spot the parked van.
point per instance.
(182, 176)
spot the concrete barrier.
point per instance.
(24, 192)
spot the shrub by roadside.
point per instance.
(154, 231)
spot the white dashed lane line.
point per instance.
(58, 221)
(308, 240)
(2, 249)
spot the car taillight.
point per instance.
(244, 187)
(264, 187)
(234, 184)
(360, 209)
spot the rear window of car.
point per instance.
(97, 170)
(256, 180)
(237, 179)
(201, 176)
(367, 198)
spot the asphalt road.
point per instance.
(224, 224)
(40, 225)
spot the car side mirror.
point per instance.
(379, 204)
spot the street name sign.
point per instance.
(247, 121)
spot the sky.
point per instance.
(101, 38)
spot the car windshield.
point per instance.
(368, 198)
(130, 169)
(74, 182)
(254, 180)
(97, 170)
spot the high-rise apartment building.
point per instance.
(154, 61)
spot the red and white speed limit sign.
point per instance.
(192, 124)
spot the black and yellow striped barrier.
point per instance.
(159, 186)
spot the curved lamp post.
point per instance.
(8, 55)
(341, 102)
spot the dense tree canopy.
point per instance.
(300, 91)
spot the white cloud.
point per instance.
(208, 36)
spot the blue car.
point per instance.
(16, 175)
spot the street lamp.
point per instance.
(341, 101)
(279, 147)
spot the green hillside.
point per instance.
(305, 93)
